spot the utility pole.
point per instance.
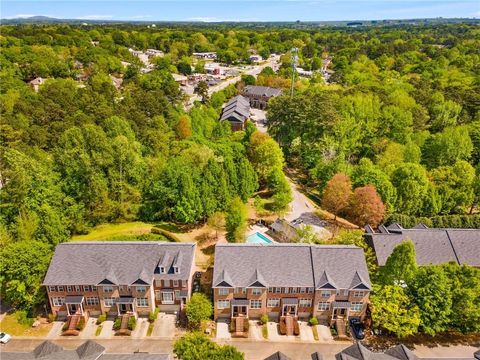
(294, 68)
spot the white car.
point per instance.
(5, 338)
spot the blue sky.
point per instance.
(246, 10)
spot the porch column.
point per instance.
(81, 308)
(68, 309)
(118, 309)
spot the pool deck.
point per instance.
(260, 229)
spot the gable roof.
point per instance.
(261, 91)
(289, 265)
(432, 246)
(401, 352)
(237, 109)
(278, 356)
(90, 350)
(117, 262)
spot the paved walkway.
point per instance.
(141, 329)
(324, 334)
(255, 330)
(90, 328)
(306, 333)
(223, 331)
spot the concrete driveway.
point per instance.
(164, 326)
(56, 330)
(89, 330)
(107, 330)
(324, 334)
(223, 332)
(140, 329)
(306, 333)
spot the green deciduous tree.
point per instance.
(235, 220)
(197, 346)
(198, 308)
(393, 310)
(23, 268)
(411, 183)
(401, 266)
(432, 293)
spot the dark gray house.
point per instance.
(236, 111)
(259, 95)
(433, 246)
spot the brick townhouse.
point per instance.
(329, 282)
(90, 278)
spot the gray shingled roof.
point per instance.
(237, 109)
(261, 90)
(119, 262)
(289, 265)
(433, 246)
(89, 350)
(278, 356)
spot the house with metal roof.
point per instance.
(330, 282)
(260, 95)
(119, 277)
(432, 245)
(89, 350)
(236, 111)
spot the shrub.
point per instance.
(333, 330)
(153, 315)
(51, 318)
(197, 309)
(65, 326)
(264, 319)
(22, 318)
(132, 322)
(117, 323)
(313, 321)
(101, 318)
(81, 324)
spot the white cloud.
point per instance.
(23, 16)
(139, 17)
(95, 17)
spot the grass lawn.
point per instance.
(112, 231)
(11, 326)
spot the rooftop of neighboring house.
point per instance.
(261, 90)
(37, 81)
(290, 265)
(432, 245)
(89, 350)
(179, 77)
(119, 263)
(238, 109)
(278, 356)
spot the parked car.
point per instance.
(5, 338)
(357, 328)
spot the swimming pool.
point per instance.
(258, 238)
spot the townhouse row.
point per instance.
(301, 280)
(249, 280)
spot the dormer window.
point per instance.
(162, 270)
(176, 270)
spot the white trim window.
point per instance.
(108, 289)
(323, 306)
(177, 294)
(356, 306)
(240, 290)
(278, 290)
(58, 301)
(108, 302)
(175, 283)
(69, 288)
(94, 288)
(271, 289)
(359, 294)
(255, 304)
(325, 293)
(141, 289)
(92, 300)
(223, 304)
(166, 283)
(77, 288)
(142, 302)
(303, 290)
(310, 290)
(60, 288)
(168, 297)
(273, 303)
(52, 288)
(256, 291)
(305, 303)
(223, 291)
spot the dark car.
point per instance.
(357, 328)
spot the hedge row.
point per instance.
(440, 221)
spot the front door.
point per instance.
(239, 310)
(124, 308)
(339, 313)
(73, 308)
(290, 310)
